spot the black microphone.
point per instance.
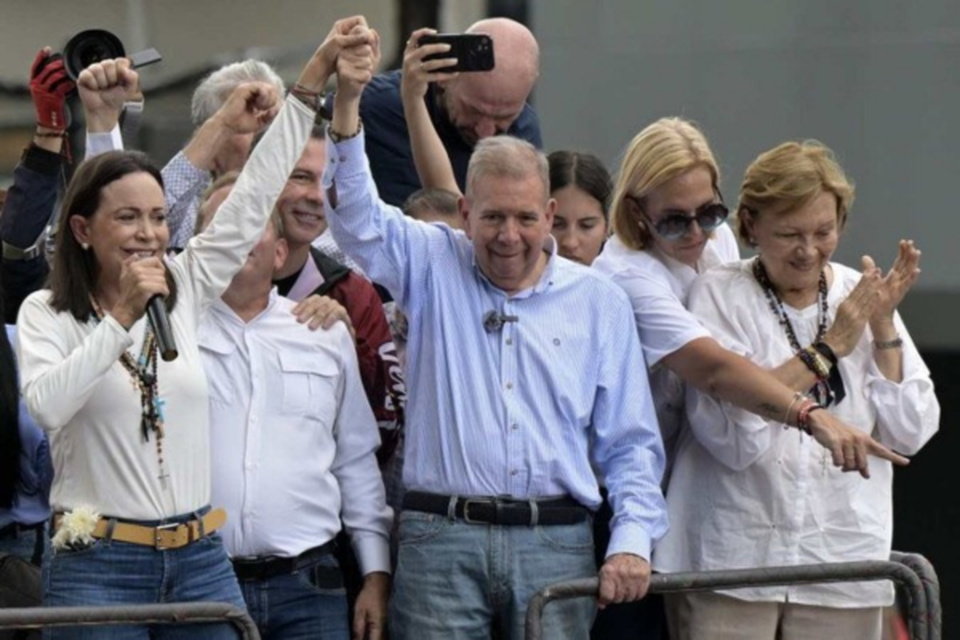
(157, 315)
(494, 321)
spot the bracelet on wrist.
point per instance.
(817, 364)
(881, 345)
(49, 133)
(786, 416)
(826, 351)
(338, 137)
(313, 100)
(803, 416)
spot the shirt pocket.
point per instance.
(309, 386)
(218, 353)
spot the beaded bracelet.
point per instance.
(338, 137)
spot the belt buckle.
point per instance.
(466, 509)
(157, 543)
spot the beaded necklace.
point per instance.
(143, 376)
(821, 391)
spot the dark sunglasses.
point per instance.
(674, 226)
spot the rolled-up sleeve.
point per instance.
(908, 412)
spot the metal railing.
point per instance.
(917, 592)
(931, 587)
(174, 613)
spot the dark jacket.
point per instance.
(28, 209)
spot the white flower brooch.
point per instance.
(76, 529)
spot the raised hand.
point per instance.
(49, 87)
(251, 107)
(854, 313)
(357, 63)
(104, 87)
(417, 73)
(323, 62)
(898, 281)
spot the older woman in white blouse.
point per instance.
(747, 492)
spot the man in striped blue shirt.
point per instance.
(525, 374)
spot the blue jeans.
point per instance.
(119, 573)
(31, 545)
(461, 581)
(308, 604)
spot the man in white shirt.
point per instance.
(294, 443)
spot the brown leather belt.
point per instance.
(165, 536)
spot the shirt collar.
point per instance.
(546, 278)
(225, 311)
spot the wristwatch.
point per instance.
(11, 252)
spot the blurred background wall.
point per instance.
(876, 80)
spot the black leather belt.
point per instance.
(502, 511)
(271, 566)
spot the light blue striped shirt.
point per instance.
(517, 412)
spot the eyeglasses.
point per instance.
(674, 226)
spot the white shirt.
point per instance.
(747, 492)
(293, 436)
(658, 287)
(81, 395)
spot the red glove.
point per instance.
(49, 86)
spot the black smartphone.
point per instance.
(473, 51)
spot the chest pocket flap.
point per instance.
(310, 384)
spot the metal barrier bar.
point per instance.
(931, 586)
(740, 578)
(174, 613)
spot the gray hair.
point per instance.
(214, 90)
(507, 157)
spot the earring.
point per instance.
(84, 246)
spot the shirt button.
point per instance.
(509, 341)
(514, 426)
(514, 472)
(509, 385)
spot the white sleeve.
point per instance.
(908, 412)
(57, 381)
(98, 143)
(663, 323)
(212, 258)
(364, 509)
(734, 436)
